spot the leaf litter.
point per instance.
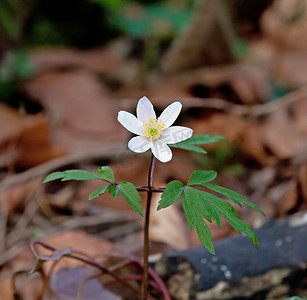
(79, 112)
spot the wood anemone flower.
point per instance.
(154, 133)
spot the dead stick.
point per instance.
(256, 110)
(106, 152)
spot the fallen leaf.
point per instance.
(25, 142)
(7, 292)
(285, 24)
(280, 135)
(17, 197)
(253, 147)
(79, 240)
(282, 197)
(66, 282)
(80, 113)
(102, 61)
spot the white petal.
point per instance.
(139, 144)
(161, 151)
(175, 134)
(145, 110)
(130, 122)
(170, 114)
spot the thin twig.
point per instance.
(255, 111)
(12, 252)
(78, 222)
(105, 152)
(72, 223)
(117, 231)
(26, 217)
(87, 260)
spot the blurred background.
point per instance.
(67, 67)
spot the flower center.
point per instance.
(153, 128)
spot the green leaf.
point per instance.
(196, 211)
(214, 214)
(199, 205)
(197, 139)
(171, 194)
(53, 176)
(189, 148)
(145, 23)
(217, 203)
(199, 177)
(196, 202)
(240, 226)
(98, 192)
(230, 215)
(72, 175)
(204, 235)
(191, 218)
(106, 173)
(202, 139)
(235, 197)
(114, 191)
(110, 5)
(103, 173)
(130, 193)
(79, 175)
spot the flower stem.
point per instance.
(146, 228)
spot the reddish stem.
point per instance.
(146, 228)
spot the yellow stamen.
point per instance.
(153, 128)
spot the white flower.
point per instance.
(153, 132)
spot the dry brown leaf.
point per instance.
(80, 113)
(280, 135)
(253, 147)
(228, 125)
(17, 197)
(6, 288)
(33, 144)
(290, 199)
(10, 120)
(281, 198)
(285, 23)
(235, 83)
(102, 61)
(29, 288)
(79, 240)
(76, 239)
(25, 142)
(300, 116)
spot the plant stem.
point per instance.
(146, 228)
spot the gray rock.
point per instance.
(278, 269)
